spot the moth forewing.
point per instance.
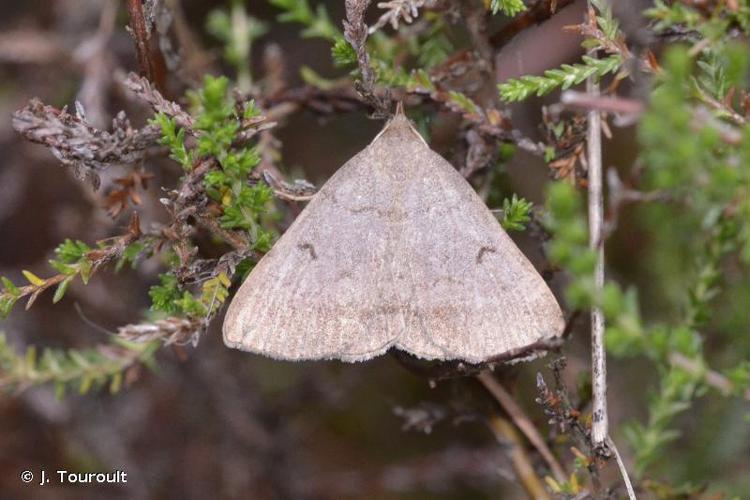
(395, 250)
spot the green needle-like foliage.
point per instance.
(516, 213)
(507, 7)
(563, 77)
(82, 369)
(317, 22)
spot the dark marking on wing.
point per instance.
(483, 251)
(309, 248)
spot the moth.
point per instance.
(396, 250)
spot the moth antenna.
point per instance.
(400, 109)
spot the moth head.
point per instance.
(401, 127)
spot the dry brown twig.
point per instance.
(127, 191)
(181, 331)
(355, 32)
(298, 190)
(172, 330)
(489, 123)
(143, 89)
(150, 58)
(557, 406)
(626, 111)
(505, 433)
(600, 420)
(77, 144)
(620, 195)
(590, 29)
(397, 11)
(521, 421)
(338, 99)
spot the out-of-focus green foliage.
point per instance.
(317, 22)
(507, 7)
(82, 369)
(684, 322)
(72, 259)
(237, 30)
(694, 149)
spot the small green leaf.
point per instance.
(464, 102)
(343, 54)
(224, 279)
(549, 154)
(59, 390)
(131, 253)
(508, 7)
(6, 305)
(420, 81)
(165, 294)
(78, 358)
(62, 267)
(251, 110)
(30, 359)
(310, 77)
(10, 288)
(85, 385)
(516, 213)
(70, 252)
(33, 278)
(85, 269)
(61, 289)
(116, 384)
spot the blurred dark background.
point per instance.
(212, 422)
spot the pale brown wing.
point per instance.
(325, 290)
(396, 249)
(475, 295)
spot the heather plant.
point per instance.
(679, 79)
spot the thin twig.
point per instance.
(143, 89)
(522, 422)
(504, 432)
(586, 101)
(710, 377)
(355, 32)
(620, 195)
(566, 418)
(600, 421)
(600, 439)
(152, 65)
(720, 106)
(623, 470)
(109, 250)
